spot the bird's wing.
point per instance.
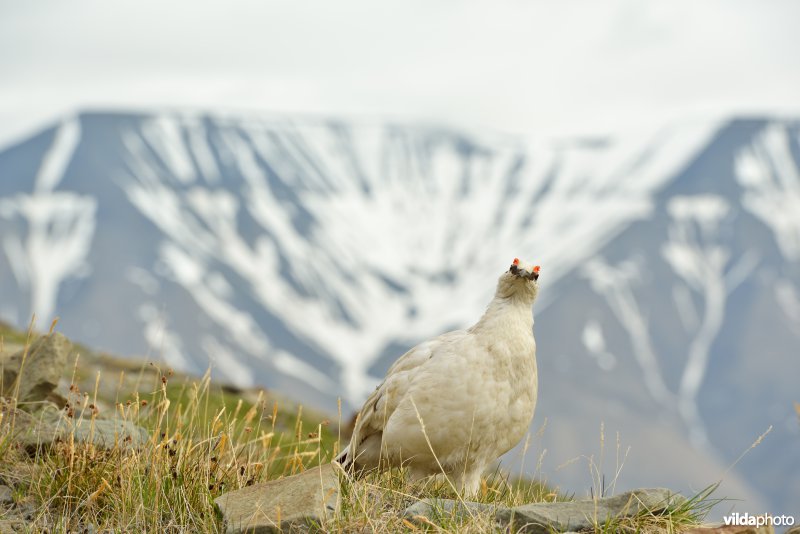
(380, 406)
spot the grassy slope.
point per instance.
(206, 439)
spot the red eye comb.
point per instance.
(516, 261)
(536, 269)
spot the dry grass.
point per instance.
(205, 441)
(376, 503)
(200, 445)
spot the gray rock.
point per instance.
(293, 503)
(105, 433)
(6, 495)
(544, 518)
(26, 429)
(33, 374)
(49, 424)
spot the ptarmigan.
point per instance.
(455, 404)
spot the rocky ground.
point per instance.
(61, 402)
(90, 442)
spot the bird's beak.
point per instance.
(523, 272)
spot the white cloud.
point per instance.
(511, 65)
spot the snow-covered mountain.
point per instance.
(307, 255)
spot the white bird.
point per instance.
(454, 404)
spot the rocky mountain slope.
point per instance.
(307, 255)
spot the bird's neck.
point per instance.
(513, 311)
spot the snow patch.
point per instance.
(386, 204)
(162, 341)
(707, 210)
(699, 257)
(201, 150)
(165, 137)
(185, 269)
(225, 360)
(687, 313)
(789, 301)
(297, 368)
(59, 155)
(59, 231)
(616, 284)
(770, 179)
(142, 279)
(595, 344)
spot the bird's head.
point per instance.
(521, 279)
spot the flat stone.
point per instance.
(434, 509)
(544, 518)
(31, 375)
(105, 433)
(49, 425)
(298, 502)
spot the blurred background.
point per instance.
(296, 192)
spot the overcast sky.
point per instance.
(547, 68)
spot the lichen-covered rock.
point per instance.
(106, 433)
(26, 429)
(33, 374)
(544, 518)
(289, 504)
(49, 424)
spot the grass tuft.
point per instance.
(203, 440)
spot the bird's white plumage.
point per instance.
(454, 404)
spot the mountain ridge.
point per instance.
(306, 255)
